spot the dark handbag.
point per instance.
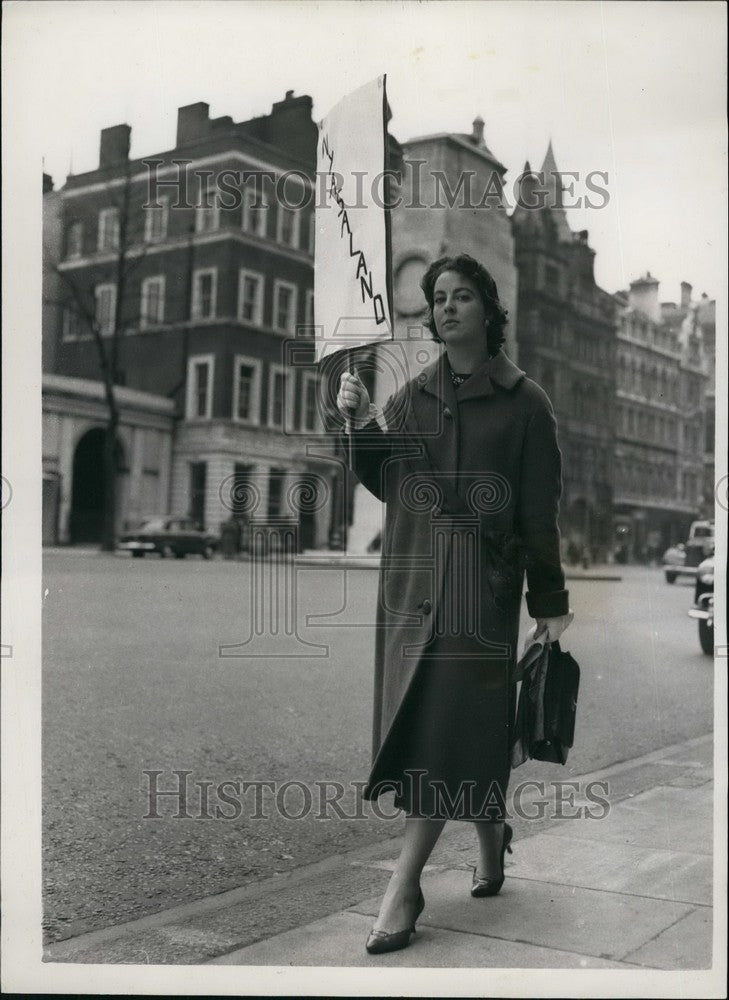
(560, 706)
(545, 717)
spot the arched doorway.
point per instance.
(50, 505)
(88, 489)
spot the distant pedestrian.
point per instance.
(230, 538)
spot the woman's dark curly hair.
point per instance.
(470, 268)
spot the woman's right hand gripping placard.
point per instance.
(353, 400)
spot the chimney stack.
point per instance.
(644, 296)
(686, 290)
(193, 122)
(290, 127)
(292, 109)
(114, 147)
(477, 133)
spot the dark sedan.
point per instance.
(173, 537)
(703, 608)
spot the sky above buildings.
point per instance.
(636, 90)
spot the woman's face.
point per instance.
(458, 312)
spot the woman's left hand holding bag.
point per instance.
(554, 626)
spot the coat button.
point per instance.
(426, 606)
(447, 413)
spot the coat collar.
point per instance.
(435, 379)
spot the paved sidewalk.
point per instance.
(632, 891)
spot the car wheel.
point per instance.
(137, 555)
(670, 577)
(167, 552)
(208, 552)
(706, 637)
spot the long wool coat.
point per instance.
(471, 477)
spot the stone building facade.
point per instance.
(74, 414)
(663, 372)
(695, 321)
(704, 318)
(451, 202)
(566, 335)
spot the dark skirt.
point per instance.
(447, 755)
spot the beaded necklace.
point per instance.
(457, 379)
(460, 379)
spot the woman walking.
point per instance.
(470, 471)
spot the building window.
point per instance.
(287, 231)
(276, 478)
(200, 370)
(309, 402)
(255, 212)
(250, 297)
(284, 306)
(152, 309)
(71, 324)
(278, 391)
(312, 233)
(198, 489)
(75, 240)
(207, 213)
(204, 293)
(246, 389)
(307, 328)
(155, 221)
(108, 229)
(551, 277)
(105, 308)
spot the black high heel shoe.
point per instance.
(492, 886)
(380, 941)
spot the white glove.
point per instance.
(554, 626)
(353, 400)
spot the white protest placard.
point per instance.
(351, 296)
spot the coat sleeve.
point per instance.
(367, 450)
(538, 511)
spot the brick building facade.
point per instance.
(204, 256)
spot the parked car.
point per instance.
(683, 560)
(178, 537)
(674, 560)
(703, 608)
